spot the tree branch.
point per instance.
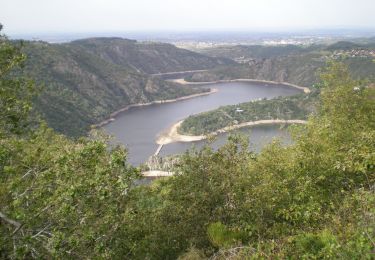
(9, 221)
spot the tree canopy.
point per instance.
(58, 197)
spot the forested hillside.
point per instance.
(67, 199)
(248, 52)
(85, 81)
(149, 57)
(293, 64)
(243, 52)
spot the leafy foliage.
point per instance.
(311, 199)
(61, 198)
(221, 236)
(58, 198)
(16, 93)
(67, 197)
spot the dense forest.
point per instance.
(76, 199)
(297, 107)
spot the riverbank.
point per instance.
(171, 135)
(184, 82)
(156, 174)
(114, 114)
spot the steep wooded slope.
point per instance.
(149, 57)
(293, 64)
(82, 88)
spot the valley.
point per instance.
(187, 130)
(101, 82)
(139, 127)
(85, 81)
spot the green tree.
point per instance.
(307, 200)
(61, 198)
(58, 197)
(16, 93)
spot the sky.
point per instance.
(69, 16)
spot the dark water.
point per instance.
(139, 127)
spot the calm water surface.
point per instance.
(139, 127)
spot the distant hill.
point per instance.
(343, 45)
(148, 57)
(267, 52)
(289, 63)
(256, 51)
(300, 70)
(85, 81)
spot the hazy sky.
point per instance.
(29, 16)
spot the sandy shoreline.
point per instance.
(184, 82)
(156, 174)
(171, 135)
(114, 114)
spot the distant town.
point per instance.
(266, 41)
(362, 53)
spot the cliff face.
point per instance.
(84, 84)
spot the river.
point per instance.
(139, 127)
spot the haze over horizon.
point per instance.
(42, 16)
